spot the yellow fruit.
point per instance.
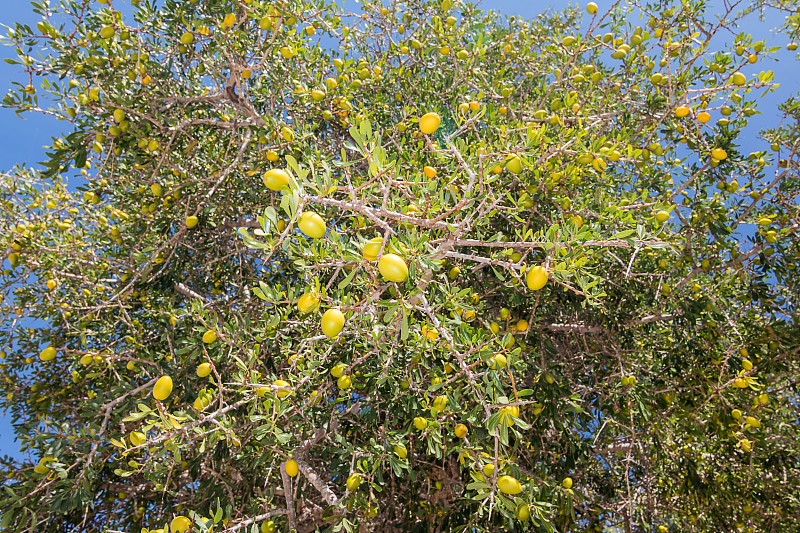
(393, 268)
(307, 303)
(312, 224)
(662, 216)
(440, 403)
(681, 111)
(332, 323)
(209, 337)
(719, 154)
(488, 470)
(523, 512)
(497, 362)
(162, 388)
(495, 327)
(429, 172)
(317, 95)
(48, 354)
(522, 325)
(187, 38)
(509, 485)
(353, 482)
(420, 423)
(567, 483)
(536, 278)
(191, 221)
(180, 524)
(508, 412)
(371, 248)
(514, 164)
(739, 78)
(291, 468)
(268, 527)
(276, 179)
(591, 8)
(737, 414)
(703, 117)
(401, 451)
(281, 393)
(752, 422)
(461, 431)
(338, 370)
(429, 123)
(203, 370)
(138, 438)
(344, 382)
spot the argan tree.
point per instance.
(414, 268)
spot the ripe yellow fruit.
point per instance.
(48, 354)
(291, 468)
(752, 422)
(209, 337)
(307, 303)
(514, 164)
(429, 172)
(739, 78)
(440, 403)
(338, 370)
(138, 438)
(703, 117)
(523, 512)
(353, 482)
(203, 370)
(312, 224)
(719, 154)
(662, 216)
(276, 179)
(508, 412)
(317, 95)
(536, 278)
(268, 527)
(191, 221)
(591, 8)
(736, 414)
(281, 393)
(344, 382)
(401, 451)
(420, 423)
(393, 268)
(681, 111)
(522, 325)
(509, 485)
(461, 431)
(488, 470)
(371, 248)
(497, 362)
(429, 123)
(567, 483)
(332, 323)
(162, 388)
(180, 524)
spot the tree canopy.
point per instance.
(401, 267)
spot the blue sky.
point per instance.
(21, 141)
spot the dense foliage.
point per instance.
(414, 268)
